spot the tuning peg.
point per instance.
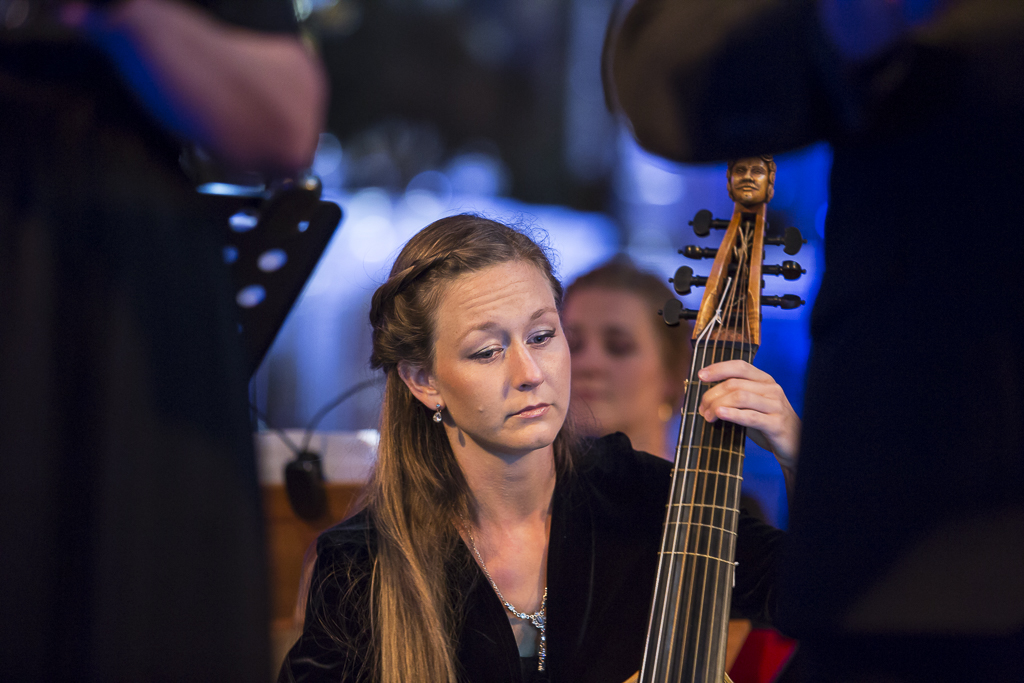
(685, 279)
(784, 302)
(790, 270)
(695, 252)
(673, 312)
(792, 241)
(703, 222)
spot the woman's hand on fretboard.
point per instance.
(750, 397)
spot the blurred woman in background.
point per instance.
(629, 369)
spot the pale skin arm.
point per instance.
(750, 397)
(256, 100)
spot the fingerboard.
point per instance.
(690, 611)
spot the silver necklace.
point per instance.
(538, 618)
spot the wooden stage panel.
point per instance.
(347, 460)
(289, 538)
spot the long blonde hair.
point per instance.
(417, 489)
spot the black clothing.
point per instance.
(908, 516)
(131, 539)
(605, 534)
(529, 668)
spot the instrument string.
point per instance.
(736, 456)
(687, 570)
(723, 434)
(719, 438)
(667, 568)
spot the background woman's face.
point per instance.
(501, 360)
(617, 374)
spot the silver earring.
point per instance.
(437, 413)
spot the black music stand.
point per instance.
(273, 241)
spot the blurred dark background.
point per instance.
(422, 81)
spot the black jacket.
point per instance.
(605, 533)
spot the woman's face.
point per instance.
(501, 360)
(618, 379)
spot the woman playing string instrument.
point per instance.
(494, 546)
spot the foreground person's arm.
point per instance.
(254, 99)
